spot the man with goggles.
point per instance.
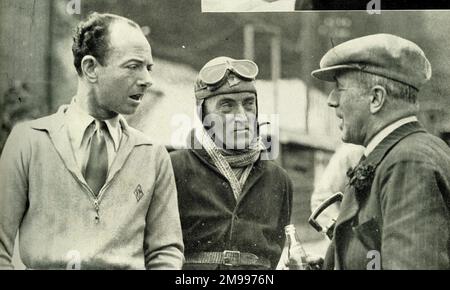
(233, 204)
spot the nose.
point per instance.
(240, 113)
(333, 100)
(238, 116)
(145, 81)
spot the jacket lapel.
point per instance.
(349, 206)
(377, 155)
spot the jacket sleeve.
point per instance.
(288, 201)
(284, 220)
(286, 209)
(163, 244)
(13, 191)
(416, 220)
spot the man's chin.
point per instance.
(128, 111)
(346, 138)
(350, 139)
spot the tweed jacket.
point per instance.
(401, 220)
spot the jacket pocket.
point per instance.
(369, 234)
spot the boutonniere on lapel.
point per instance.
(361, 178)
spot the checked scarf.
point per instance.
(231, 163)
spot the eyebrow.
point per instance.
(249, 97)
(135, 59)
(226, 100)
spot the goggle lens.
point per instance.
(213, 74)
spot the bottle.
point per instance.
(296, 254)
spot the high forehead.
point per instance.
(127, 39)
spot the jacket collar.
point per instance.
(57, 129)
(349, 205)
(386, 131)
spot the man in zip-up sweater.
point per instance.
(85, 190)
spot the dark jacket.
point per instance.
(402, 220)
(212, 220)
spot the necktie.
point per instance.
(97, 164)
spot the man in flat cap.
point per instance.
(85, 190)
(395, 211)
(234, 203)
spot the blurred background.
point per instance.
(37, 73)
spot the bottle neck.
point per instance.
(291, 235)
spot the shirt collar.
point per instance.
(385, 132)
(114, 129)
(79, 120)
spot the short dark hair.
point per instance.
(91, 37)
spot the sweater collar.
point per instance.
(55, 122)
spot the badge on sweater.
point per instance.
(138, 193)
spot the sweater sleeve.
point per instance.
(163, 242)
(14, 163)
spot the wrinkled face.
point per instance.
(231, 119)
(351, 102)
(125, 76)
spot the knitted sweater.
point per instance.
(133, 224)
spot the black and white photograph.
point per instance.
(223, 135)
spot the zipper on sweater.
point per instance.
(93, 198)
(97, 209)
(96, 201)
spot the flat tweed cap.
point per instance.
(385, 55)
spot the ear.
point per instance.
(89, 66)
(377, 98)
